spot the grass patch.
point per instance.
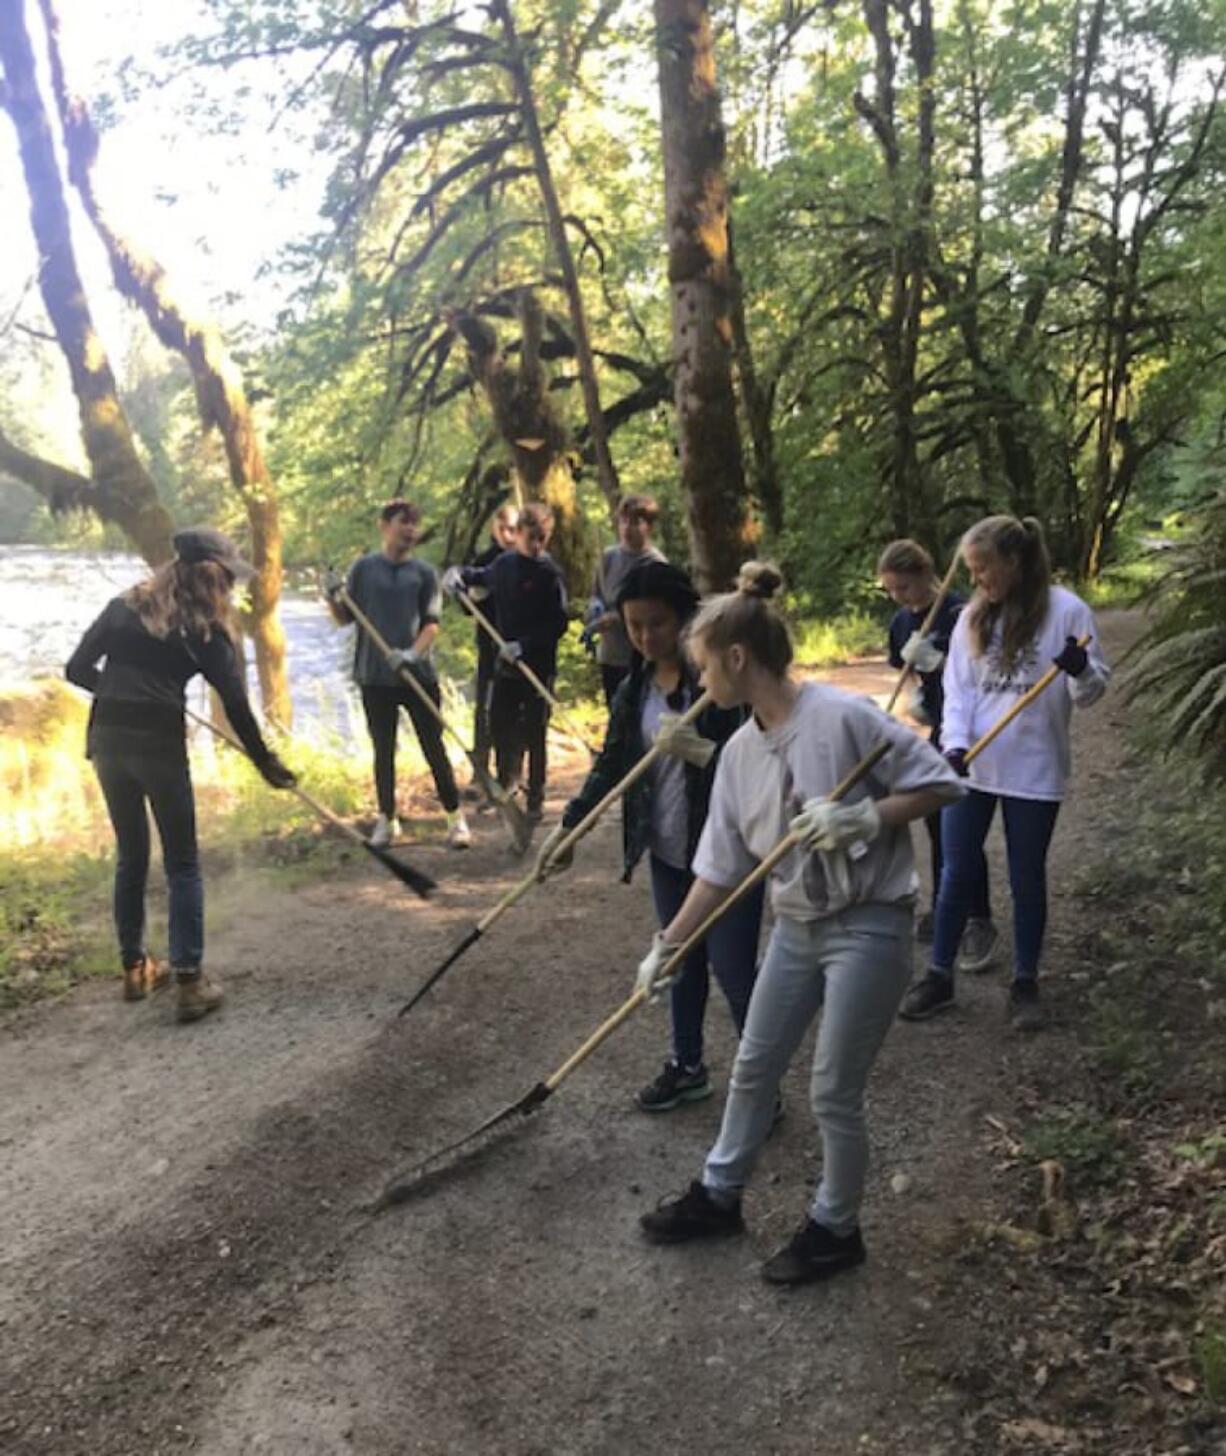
(1210, 1352)
(827, 641)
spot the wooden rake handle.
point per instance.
(1022, 703)
(296, 789)
(926, 627)
(500, 642)
(588, 822)
(759, 873)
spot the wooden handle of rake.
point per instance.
(296, 789)
(500, 642)
(926, 627)
(1023, 702)
(588, 822)
(759, 873)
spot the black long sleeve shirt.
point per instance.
(529, 598)
(139, 690)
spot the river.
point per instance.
(49, 597)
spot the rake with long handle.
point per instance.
(926, 627)
(1022, 703)
(521, 887)
(421, 884)
(512, 815)
(405, 1187)
(500, 642)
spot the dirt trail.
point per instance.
(184, 1265)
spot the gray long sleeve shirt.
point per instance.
(400, 598)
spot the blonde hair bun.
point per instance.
(761, 579)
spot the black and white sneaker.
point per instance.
(814, 1253)
(674, 1086)
(695, 1215)
(980, 942)
(926, 998)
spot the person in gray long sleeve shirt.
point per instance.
(636, 519)
(401, 596)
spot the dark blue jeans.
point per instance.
(980, 897)
(129, 780)
(1028, 829)
(730, 950)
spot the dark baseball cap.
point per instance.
(203, 543)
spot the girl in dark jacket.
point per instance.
(664, 812)
(154, 639)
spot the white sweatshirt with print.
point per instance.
(1030, 759)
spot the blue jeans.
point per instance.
(1028, 829)
(980, 896)
(730, 950)
(854, 968)
(129, 780)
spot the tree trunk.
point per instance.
(528, 423)
(758, 403)
(606, 472)
(220, 395)
(122, 490)
(701, 287)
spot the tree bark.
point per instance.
(701, 289)
(606, 472)
(220, 394)
(758, 400)
(526, 420)
(123, 491)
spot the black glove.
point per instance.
(1073, 658)
(956, 759)
(277, 774)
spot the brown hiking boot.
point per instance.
(145, 976)
(197, 997)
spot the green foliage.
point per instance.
(1210, 1351)
(1077, 1137)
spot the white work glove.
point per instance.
(916, 708)
(649, 978)
(548, 863)
(826, 827)
(453, 580)
(920, 654)
(478, 593)
(400, 657)
(333, 583)
(510, 653)
(683, 741)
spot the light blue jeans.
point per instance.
(854, 967)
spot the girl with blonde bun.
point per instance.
(843, 903)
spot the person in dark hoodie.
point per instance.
(152, 640)
(502, 538)
(528, 596)
(664, 813)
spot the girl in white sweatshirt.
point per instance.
(1016, 626)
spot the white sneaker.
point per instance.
(980, 941)
(458, 835)
(385, 831)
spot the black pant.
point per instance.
(382, 711)
(130, 779)
(483, 739)
(611, 679)
(519, 717)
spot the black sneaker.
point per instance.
(695, 1215)
(814, 1253)
(934, 993)
(1025, 1008)
(674, 1086)
(925, 928)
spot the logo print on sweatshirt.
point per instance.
(1017, 679)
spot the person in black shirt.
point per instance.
(152, 640)
(502, 538)
(908, 577)
(400, 594)
(528, 597)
